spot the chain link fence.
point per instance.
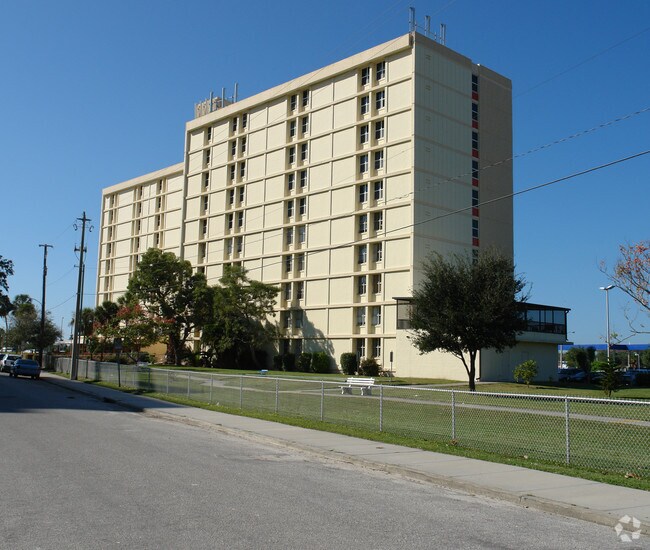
(611, 435)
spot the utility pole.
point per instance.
(42, 333)
(74, 369)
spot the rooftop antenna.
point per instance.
(427, 25)
(411, 19)
(443, 34)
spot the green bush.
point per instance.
(526, 371)
(611, 379)
(289, 362)
(304, 362)
(349, 363)
(369, 367)
(320, 362)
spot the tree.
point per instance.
(465, 305)
(170, 294)
(632, 275)
(25, 326)
(611, 378)
(6, 270)
(577, 358)
(239, 322)
(526, 371)
(6, 307)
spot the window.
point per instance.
(380, 70)
(229, 247)
(378, 221)
(139, 209)
(305, 98)
(376, 315)
(376, 347)
(240, 244)
(297, 318)
(363, 223)
(380, 100)
(289, 237)
(475, 170)
(379, 190)
(379, 160)
(380, 130)
(286, 319)
(379, 252)
(292, 155)
(234, 124)
(475, 229)
(361, 316)
(302, 206)
(292, 129)
(365, 105)
(241, 194)
(204, 228)
(474, 198)
(161, 183)
(242, 145)
(475, 83)
(232, 172)
(233, 148)
(231, 220)
(305, 125)
(303, 178)
(294, 102)
(474, 140)
(364, 134)
(206, 180)
(361, 348)
(290, 208)
(240, 219)
(205, 204)
(302, 234)
(304, 151)
(244, 120)
(363, 193)
(300, 290)
(362, 285)
(363, 164)
(208, 134)
(231, 197)
(365, 76)
(362, 254)
(376, 284)
(288, 263)
(475, 111)
(301, 262)
(291, 181)
(207, 157)
(242, 169)
(287, 291)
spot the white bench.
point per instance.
(365, 384)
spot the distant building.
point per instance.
(335, 186)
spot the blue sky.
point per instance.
(96, 93)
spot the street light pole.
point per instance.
(607, 289)
(42, 333)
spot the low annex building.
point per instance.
(335, 186)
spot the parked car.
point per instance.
(6, 360)
(564, 374)
(579, 376)
(25, 367)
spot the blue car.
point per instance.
(25, 367)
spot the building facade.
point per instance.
(334, 187)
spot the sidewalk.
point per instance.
(573, 497)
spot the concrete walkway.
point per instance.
(573, 497)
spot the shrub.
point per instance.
(643, 379)
(369, 367)
(304, 362)
(320, 362)
(277, 362)
(611, 379)
(349, 363)
(289, 362)
(526, 371)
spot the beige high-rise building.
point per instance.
(333, 186)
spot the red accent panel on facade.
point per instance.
(475, 124)
(475, 153)
(475, 96)
(475, 182)
(475, 212)
(474, 241)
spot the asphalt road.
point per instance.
(76, 472)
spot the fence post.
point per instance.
(381, 408)
(277, 395)
(189, 377)
(566, 429)
(322, 400)
(453, 414)
(211, 384)
(241, 391)
(168, 382)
